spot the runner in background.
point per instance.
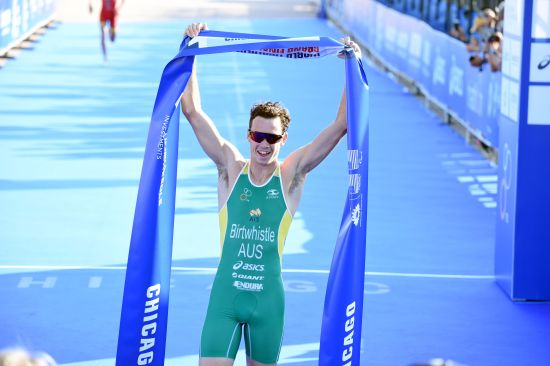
(108, 14)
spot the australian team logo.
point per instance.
(255, 213)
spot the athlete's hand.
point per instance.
(348, 42)
(194, 29)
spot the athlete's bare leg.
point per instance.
(103, 26)
(251, 362)
(112, 33)
(216, 361)
(220, 361)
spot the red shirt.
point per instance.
(109, 5)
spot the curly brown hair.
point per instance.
(270, 110)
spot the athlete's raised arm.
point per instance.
(306, 158)
(214, 145)
(300, 162)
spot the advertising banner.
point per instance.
(19, 18)
(523, 237)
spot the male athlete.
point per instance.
(257, 199)
(108, 14)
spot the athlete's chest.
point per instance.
(256, 204)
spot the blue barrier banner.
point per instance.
(456, 54)
(390, 32)
(491, 126)
(438, 64)
(378, 24)
(144, 316)
(414, 57)
(336, 8)
(343, 312)
(440, 68)
(426, 66)
(360, 16)
(18, 17)
(475, 96)
(402, 41)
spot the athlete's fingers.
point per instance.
(345, 40)
(200, 27)
(354, 46)
(191, 30)
(194, 29)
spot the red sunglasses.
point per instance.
(258, 137)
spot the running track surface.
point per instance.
(72, 136)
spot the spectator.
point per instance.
(20, 357)
(458, 32)
(494, 51)
(483, 28)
